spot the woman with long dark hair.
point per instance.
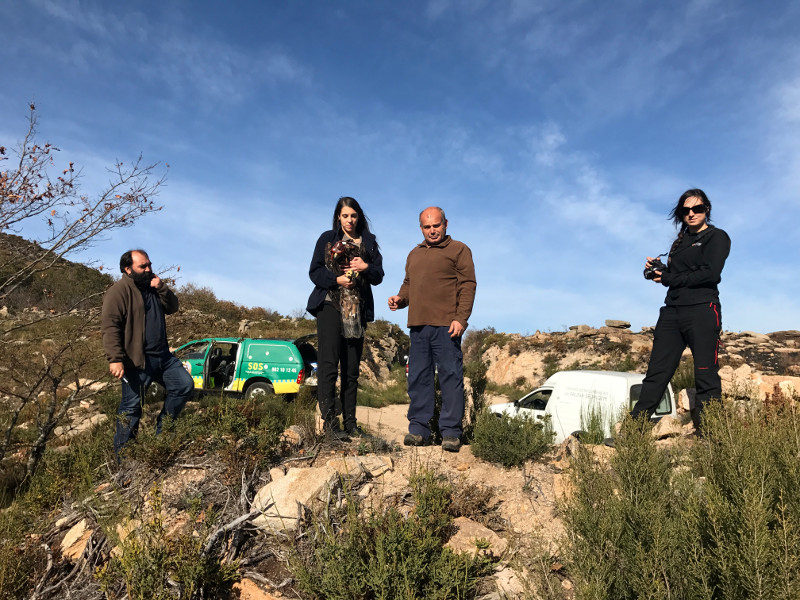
(692, 315)
(346, 264)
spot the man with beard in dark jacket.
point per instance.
(135, 344)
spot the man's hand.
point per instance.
(154, 282)
(117, 370)
(395, 302)
(456, 329)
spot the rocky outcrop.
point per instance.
(527, 360)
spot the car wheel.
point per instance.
(259, 389)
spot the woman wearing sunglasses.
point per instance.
(691, 315)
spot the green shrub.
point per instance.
(393, 391)
(509, 440)
(150, 561)
(512, 392)
(683, 378)
(383, 554)
(726, 524)
(595, 424)
(551, 364)
(18, 561)
(476, 373)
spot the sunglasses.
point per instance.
(698, 209)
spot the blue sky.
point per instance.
(556, 135)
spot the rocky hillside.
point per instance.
(517, 360)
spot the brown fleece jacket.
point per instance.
(122, 320)
(439, 286)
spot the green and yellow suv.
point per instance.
(249, 366)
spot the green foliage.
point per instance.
(381, 329)
(726, 524)
(510, 441)
(683, 378)
(551, 364)
(72, 473)
(383, 554)
(158, 452)
(595, 425)
(150, 558)
(627, 363)
(512, 392)
(476, 342)
(393, 391)
(476, 373)
(18, 563)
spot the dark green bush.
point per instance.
(683, 378)
(722, 521)
(476, 404)
(508, 440)
(393, 391)
(383, 554)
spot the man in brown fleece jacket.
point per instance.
(135, 344)
(439, 289)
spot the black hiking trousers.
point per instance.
(697, 326)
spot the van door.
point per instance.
(193, 358)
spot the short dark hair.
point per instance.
(126, 260)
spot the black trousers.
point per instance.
(333, 352)
(697, 326)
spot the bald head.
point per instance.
(433, 224)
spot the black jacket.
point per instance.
(695, 267)
(324, 280)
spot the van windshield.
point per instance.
(664, 407)
(536, 400)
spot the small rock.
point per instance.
(686, 399)
(247, 589)
(473, 538)
(292, 437)
(667, 427)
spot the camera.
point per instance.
(655, 265)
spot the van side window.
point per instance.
(663, 408)
(536, 400)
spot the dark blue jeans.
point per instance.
(432, 347)
(166, 370)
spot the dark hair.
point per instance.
(677, 217)
(361, 225)
(126, 260)
(675, 213)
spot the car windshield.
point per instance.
(197, 350)
(536, 400)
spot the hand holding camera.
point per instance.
(653, 266)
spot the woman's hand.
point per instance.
(358, 264)
(344, 281)
(647, 266)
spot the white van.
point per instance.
(570, 396)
